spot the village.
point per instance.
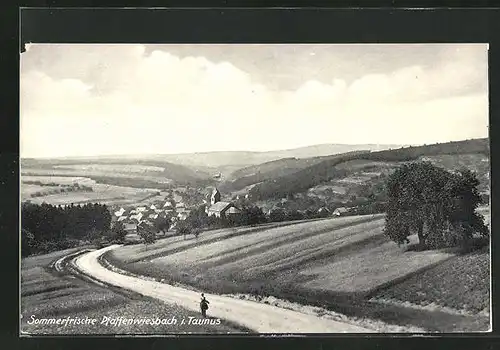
(177, 205)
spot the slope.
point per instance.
(332, 168)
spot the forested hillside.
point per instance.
(329, 169)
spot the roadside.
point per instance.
(259, 317)
(50, 294)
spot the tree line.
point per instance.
(45, 227)
(198, 219)
(60, 189)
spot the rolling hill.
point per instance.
(340, 264)
(240, 159)
(116, 171)
(342, 166)
(247, 176)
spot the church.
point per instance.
(218, 208)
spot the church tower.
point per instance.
(215, 196)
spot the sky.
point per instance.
(101, 99)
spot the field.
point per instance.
(49, 294)
(137, 170)
(114, 168)
(60, 180)
(335, 263)
(95, 173)
(301, 254)
(479, 163)
(101, 193)
(461, 283)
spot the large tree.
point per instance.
(118, 232)
(438, 205)
(146, 233)
(162, 224)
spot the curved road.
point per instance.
(262, 318)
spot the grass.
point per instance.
(338, 255)
(102, 193)
(63, 180)
(49, 294)
(333, 263)
(461, 283)
(113, 168)
(225, 240)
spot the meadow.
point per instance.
(46, 293)
(101, 193)
(461, 283)
(114, 168)
(334, 263)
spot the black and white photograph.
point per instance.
(254, 189)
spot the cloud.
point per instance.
(118, 99)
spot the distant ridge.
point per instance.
(299, 152)
(246, 158)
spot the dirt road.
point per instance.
(260, 317)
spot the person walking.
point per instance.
(204, 305)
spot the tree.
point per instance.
(252, 215)
(183, 228)
(94, 236)
(118, 232)
(162, 224)
(146, 233)
(277, 215)
(28, 243)
(436, 204)
(196, 232)
(295, 215)
(198, 218)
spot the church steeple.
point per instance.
(215, 196)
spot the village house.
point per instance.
(180, 207)
(218, 208)
(130, 227)
(182, 216)
(119, 212)
(323, 211)
(340, 211)
(122, 218)
(136, 217)
(153, 216)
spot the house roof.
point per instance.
(233, 210)
(122, 218)
(119, 212)
(341, 210)
(136, 217)
(219, 206)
